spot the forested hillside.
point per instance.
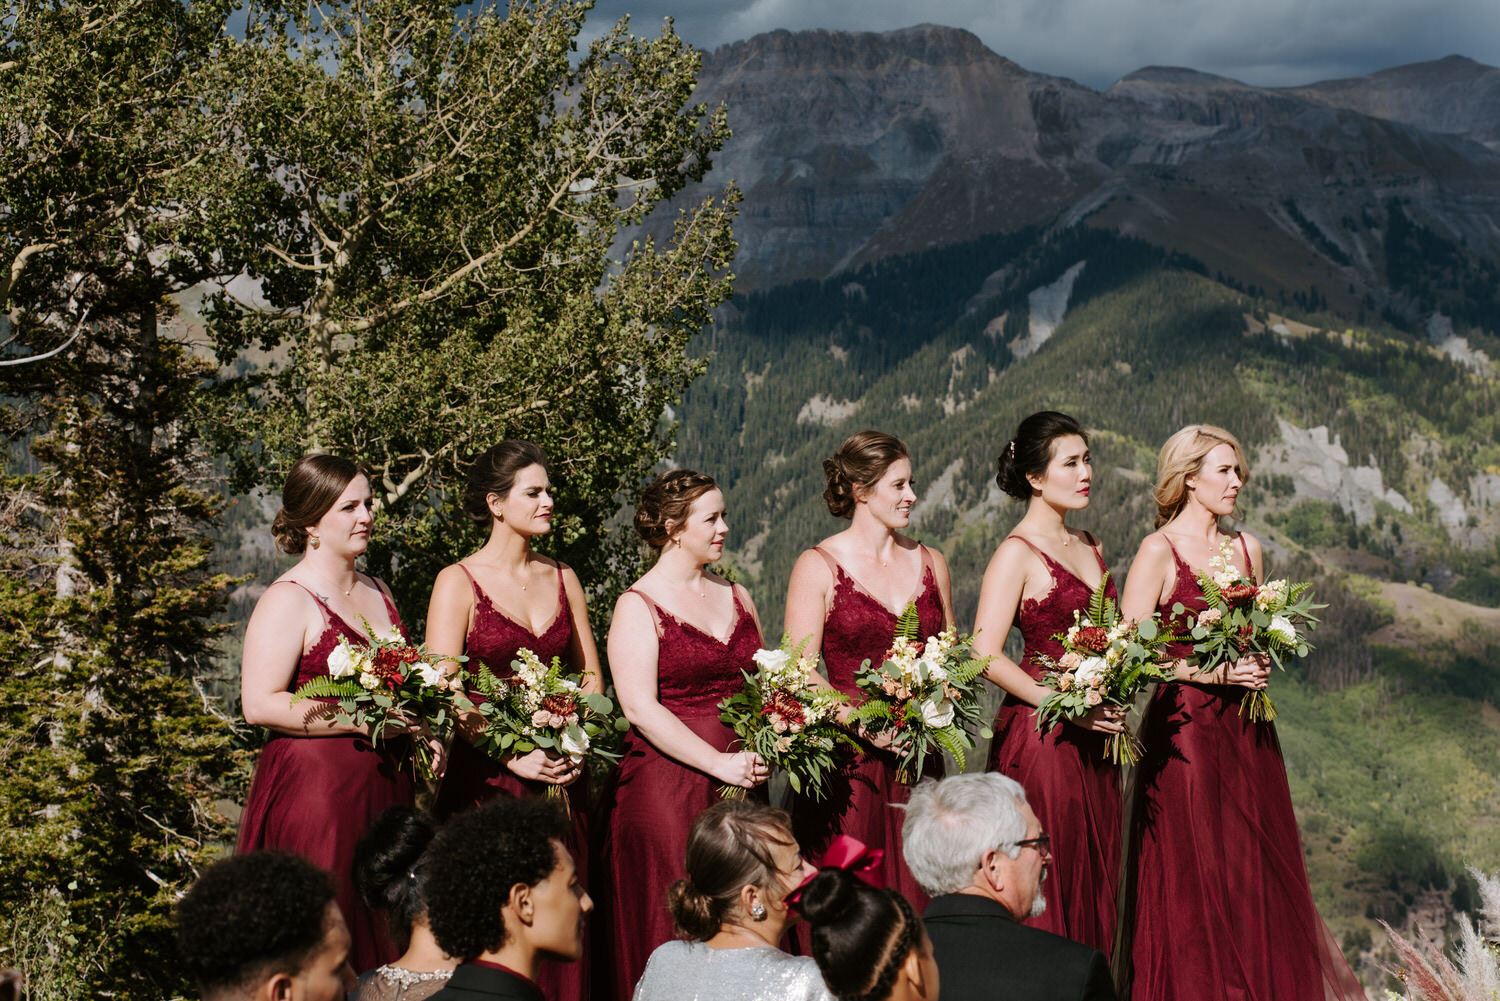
(1390, 729)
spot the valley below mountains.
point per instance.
(936, 241)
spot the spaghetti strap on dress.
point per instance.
(1070, 784)
(316, 796)
(1219, 889)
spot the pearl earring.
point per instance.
(314, 541)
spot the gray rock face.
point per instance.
(1320, 470)
(853, 146)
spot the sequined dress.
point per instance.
(1070, 784)
(473, 777)
(393, 983)
(316, 796)
(693, 971)
(1219, 886)
(656, 797)
(860, 627)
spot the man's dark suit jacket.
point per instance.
(984, 954)
(485, 983)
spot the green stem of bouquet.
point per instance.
(1257, 707)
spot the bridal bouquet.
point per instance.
(1242, 617)
(924, 693)
(541, 706)
(1105, 661)
(388, 687)
(787, 719)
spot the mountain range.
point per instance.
(936, 241)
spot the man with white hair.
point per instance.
(979, 851)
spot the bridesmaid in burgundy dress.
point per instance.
(318, 784)
(1220, 888)
(844, 598)
(1035, 581)
(489, 606)
(677, 644)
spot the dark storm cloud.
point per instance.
(1271, 43)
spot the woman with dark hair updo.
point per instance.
(845, 596)
(318, 783)
(1215, 842)
(679, 639)
(1035, 581)
(388, 873)
(742, 862)
(490, 605)
(869, 942)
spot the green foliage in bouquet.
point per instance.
(1242, 618)
(542, 706)
(924, 694)
(1106, 660)
(788, 720)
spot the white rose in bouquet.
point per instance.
(937, 712)
(773, 660)
(1282, 629)
(1091, 672)
(574, 742)
(930, 669)
(341, 661)
(430, 675)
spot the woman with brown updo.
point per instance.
(679, 639)
(845, 596)
(319, 784)
(732, 910)
(489, 606)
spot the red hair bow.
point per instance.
(862, 862)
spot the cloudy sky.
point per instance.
(1266, 42)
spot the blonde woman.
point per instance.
(1221, 895)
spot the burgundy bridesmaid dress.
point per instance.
(1222, 905)
(316, 797)
(860, 799)
(657, 797)
(1070, 784)
(473, 777)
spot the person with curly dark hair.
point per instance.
(503, 894)
(264, 925)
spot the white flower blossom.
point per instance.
(1281, 627)
(937, 712)
(773, 661)
(574, 742)
(1091, 672)
(1271, 596)
(368, 680)
(430, 675)
(341, 661)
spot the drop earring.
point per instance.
(314, 541)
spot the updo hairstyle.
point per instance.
(312, 486)
(493, 471)
(665, 504)
(729, 848)
(860, 462)
(1182, 456)
(1029, 452)
(860, 935)
(388, 867)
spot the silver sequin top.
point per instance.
(691, 971)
